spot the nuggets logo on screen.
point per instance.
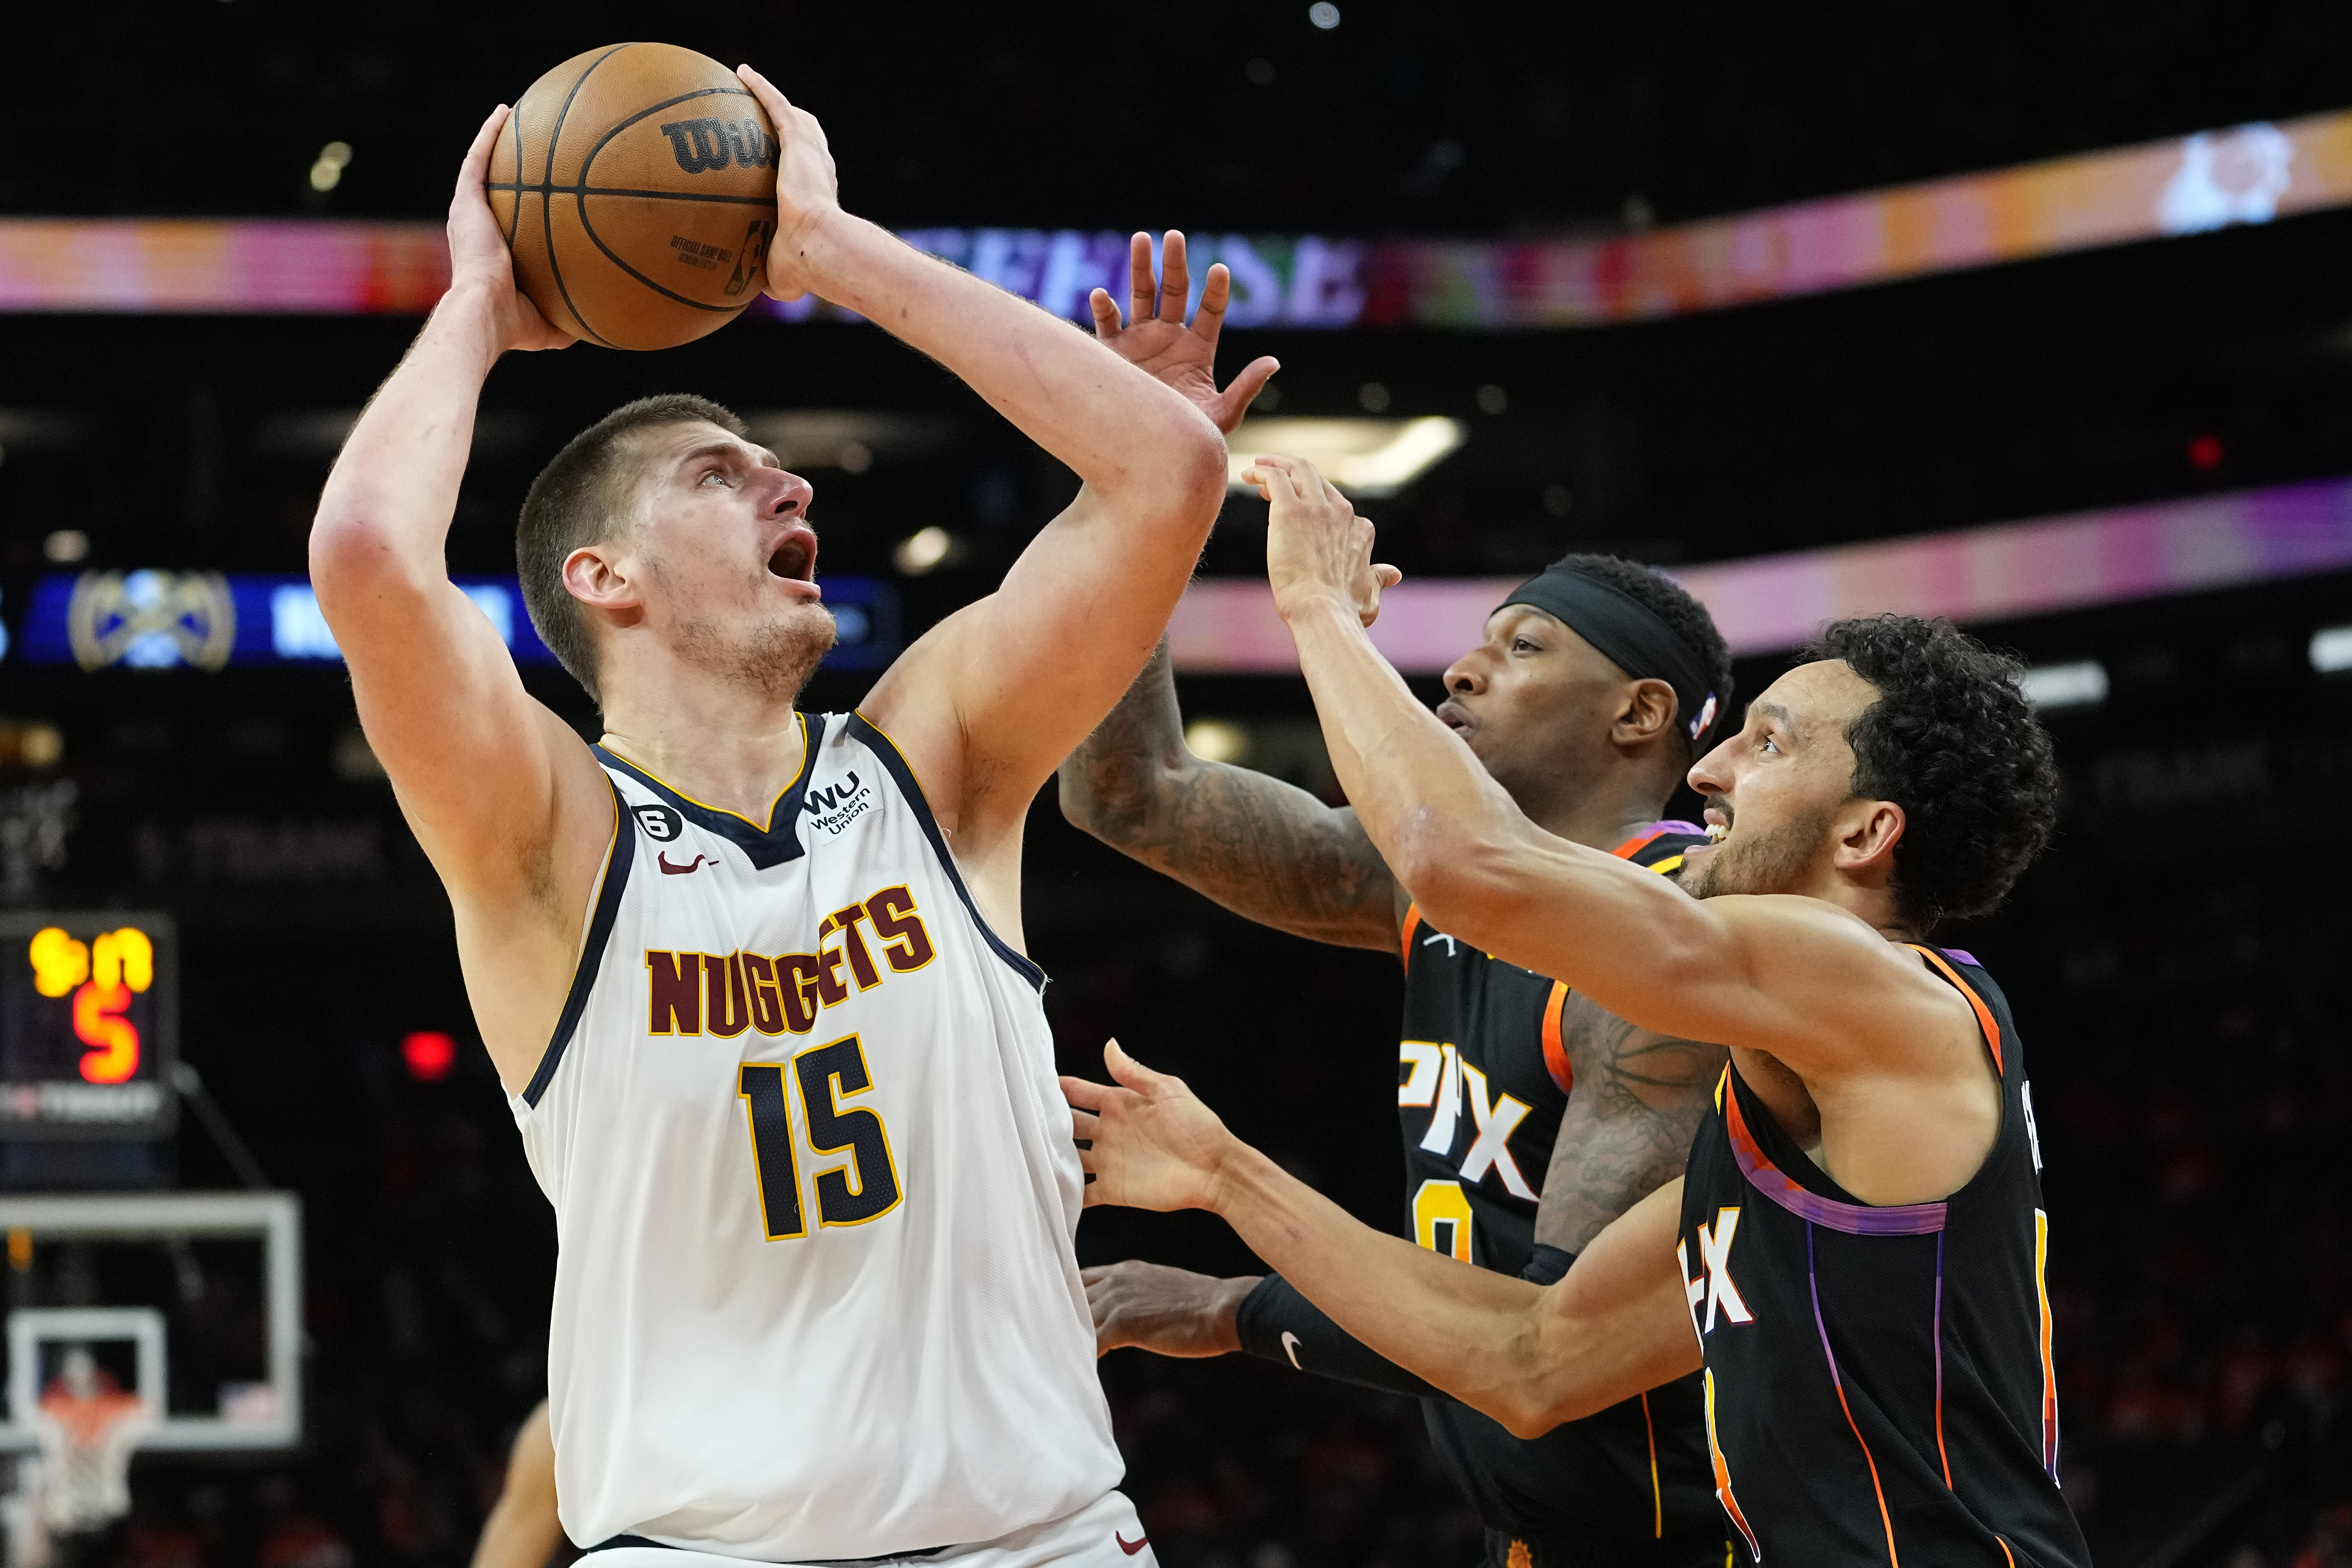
(661, 824)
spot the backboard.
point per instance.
(190, 1300)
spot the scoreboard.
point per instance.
(89, 1025)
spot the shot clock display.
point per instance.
(89, 1025)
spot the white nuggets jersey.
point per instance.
(815, 1188)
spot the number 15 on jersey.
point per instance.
(862, 1187)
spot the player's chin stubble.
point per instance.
(1772, 860)
(773, 658)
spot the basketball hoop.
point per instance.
(87, 1427)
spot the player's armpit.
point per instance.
(1628, 1127)
(1262, 848)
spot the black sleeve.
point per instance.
(1277, 1324)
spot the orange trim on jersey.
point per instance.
(1883, 1519)
(1405, 936)
(2049, 1367)
(1722, 1474)
(1657, 1496)
(2005, 1553)
(1632, 847)
(1984, 1013)
(1563, 1071)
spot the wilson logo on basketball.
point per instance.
(713, 143)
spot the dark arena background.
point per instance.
(2037, 315)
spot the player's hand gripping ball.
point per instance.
(636, 187)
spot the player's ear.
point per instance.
(1648, 710)
(1868, 831)
(593, 575)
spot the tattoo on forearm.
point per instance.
(1636, 1104)
(1261, 847)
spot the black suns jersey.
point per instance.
(1484, 1081)
(1878, 1380)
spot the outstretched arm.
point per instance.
(1528, 1356)
(506, 800)
(989, 701)
(1262, 848)
(1793, 976)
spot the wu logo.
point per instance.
(821, 800)
(1713, 1285)
(713, 143)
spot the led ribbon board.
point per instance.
(89, 1025)
(2244, 175)
(1770, 603)
(158, 619)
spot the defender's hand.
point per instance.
(1316, 545)
(479, 259)
(1147, 1143)
(807, 190)
(1156, 339)
(1168, 1311)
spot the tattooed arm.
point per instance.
(1637, 1101)
(1259, 847)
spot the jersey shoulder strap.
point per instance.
(1989, 1024)
(1660, 845)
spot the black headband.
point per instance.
(1628, 635)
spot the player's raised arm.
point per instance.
(989, 702)
(1793, 975)
(1262, 848)
(496, 788)
(1530, 1356)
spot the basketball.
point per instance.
(636, 184)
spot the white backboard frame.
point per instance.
(30, 1328)
(275, 1217)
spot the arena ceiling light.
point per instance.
(1367, 458)
(2331, 650)
(2075, 685)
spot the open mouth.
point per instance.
(1717, 828)
(794, 557)
(1454, 718)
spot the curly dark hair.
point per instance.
(1953, 742)
(1671, 603)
